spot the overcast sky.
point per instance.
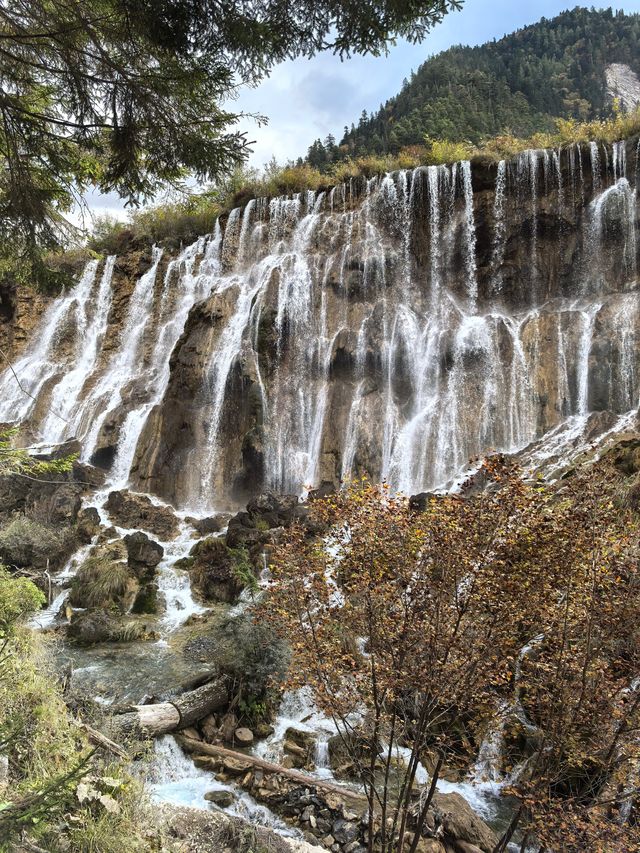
(307, 99)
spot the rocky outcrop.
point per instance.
(143, 553)
(131, 510)
(215, 570)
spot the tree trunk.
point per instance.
(357, 802)
(179, 713)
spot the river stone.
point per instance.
(243, 736)
(461, 823)
(222, 799)
(143, 551)
(235, 766)
(263, 730)
(207, 526)
(344, 832)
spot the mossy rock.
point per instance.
(217, 571)
(146, 601)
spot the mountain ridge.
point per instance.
(557, 68)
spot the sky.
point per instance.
(306, 99)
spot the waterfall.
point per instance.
(41, 362)
(500, 229)
(106, 396)
(90, 335)
(394, 327)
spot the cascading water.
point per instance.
(374, 329)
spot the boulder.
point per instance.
(273, 509)
(26, 543)
(90, 626)
(143, 553)
(104, 579)
(461, 823)
(214, 570)
(207, 526)
(243, 737)
(222, 799)
(88, 524)
(146, 600)
(138, 511)
(65, 504)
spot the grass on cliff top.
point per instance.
(181, 221)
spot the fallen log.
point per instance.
(357, 801)
(98, 739)
(178, 713)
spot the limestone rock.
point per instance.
(143, 553)
(132, 510)
(90, 627)
(214, 570)
(222, 799)
(209, 525)
(88, 524)
(243, 737)
(461, 823)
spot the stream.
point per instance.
(112, 673)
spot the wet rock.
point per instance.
(207, 526)
(137, 511)
(89, 475)
(344, 832)
(461, 823)
(273, 509)
(343, 749)
(263, 730)
(90, 627)
(143, 553)
(214, 570)
(88, 524)
(243, 737)
(146, 600)
(222, 799)
(235, 766)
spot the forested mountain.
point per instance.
(521, 83)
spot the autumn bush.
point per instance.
(426, 627)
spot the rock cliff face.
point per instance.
(394, 327)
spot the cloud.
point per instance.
(309, 98)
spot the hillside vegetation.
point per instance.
(181, 221)
(519, 84)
